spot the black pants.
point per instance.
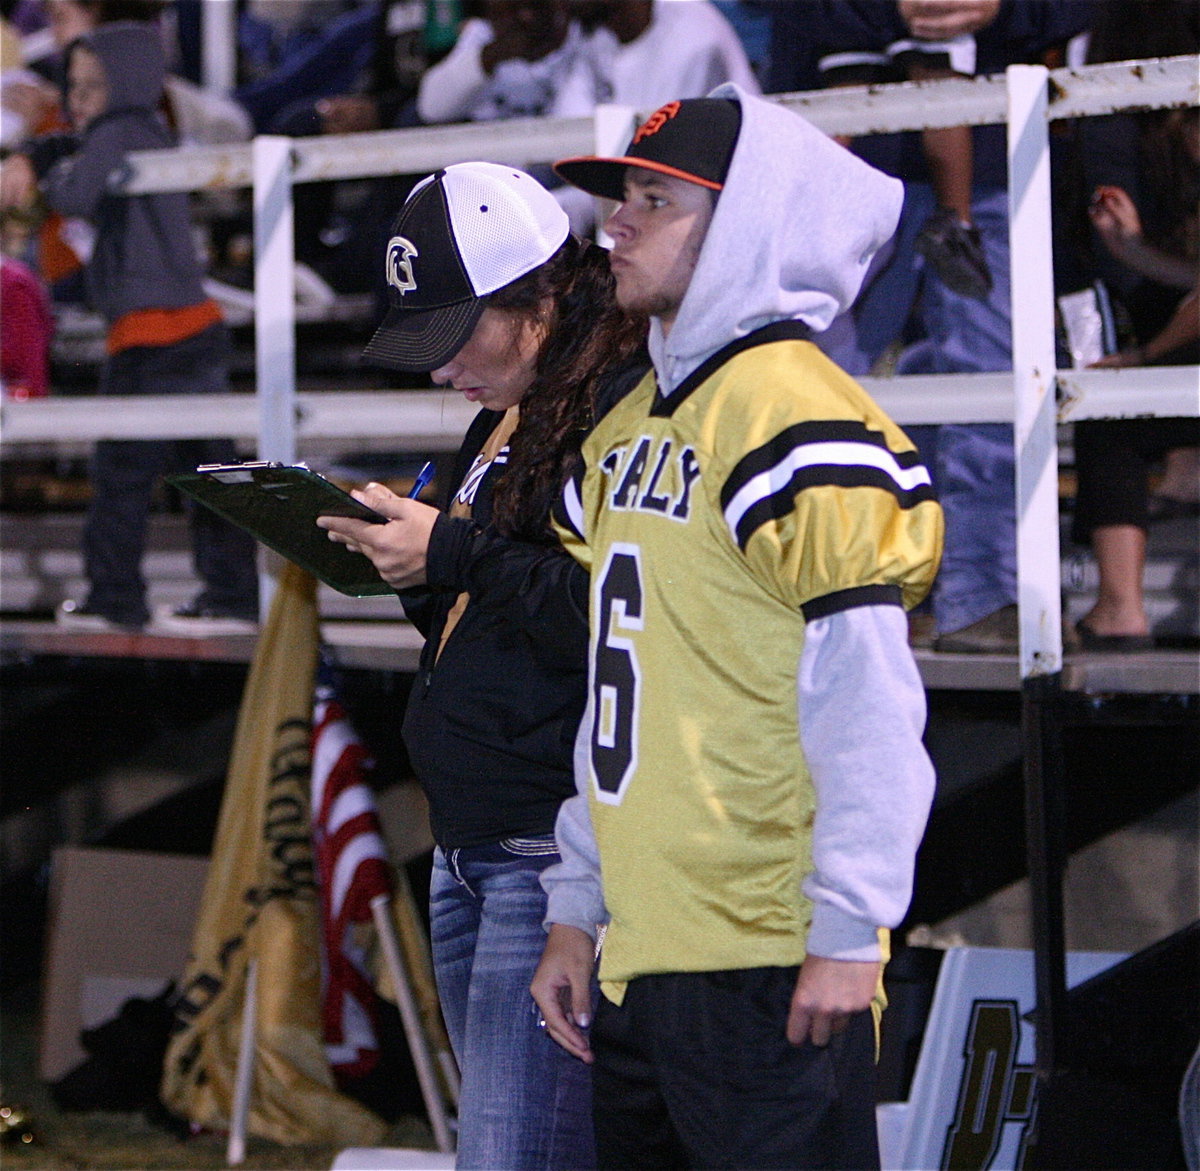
(123, 476)
(1112, 462)
(694, 1070)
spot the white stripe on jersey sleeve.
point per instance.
(839, 452)
(572, 506)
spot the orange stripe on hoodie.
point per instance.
(161, 327)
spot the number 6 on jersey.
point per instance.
(616, 677)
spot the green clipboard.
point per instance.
(279, 504)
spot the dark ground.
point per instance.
(118, 712)
(1124, 759)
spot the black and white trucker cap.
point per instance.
(463, 233)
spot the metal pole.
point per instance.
(218, 44)
(1035, 413)
(1046, 858)
(418, 1044)
(1038, 582)
(274, 310)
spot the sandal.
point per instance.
(1089, 640)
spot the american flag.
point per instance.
(352, 870)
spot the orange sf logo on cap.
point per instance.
(655, 122)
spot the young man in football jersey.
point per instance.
(752, 781)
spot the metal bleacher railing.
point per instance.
(1034, 397)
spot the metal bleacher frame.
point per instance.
(1035, 397)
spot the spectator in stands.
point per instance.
(1141, 173)
(196, 115)
(1113, 461)
(522, 59)
(26, 330)
(909, 45)
(15, 78)
(974, 599)
(752, 23)
(164, 335)
(530, 58)
(35, 101)
(302, 50)
(340, 229)
(650, 52)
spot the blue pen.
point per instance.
(422, 480)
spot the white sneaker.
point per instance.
(74, 615)
(194, 621)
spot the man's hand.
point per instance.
(348, 114)
(1115, 216)
(562, 987)
(31, 100)
(1120, 360)
(828, 992)
(397, 549)
(943, 20)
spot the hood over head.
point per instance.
(796, 224)
(134, 62)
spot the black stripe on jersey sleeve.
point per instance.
(779, 502)
(835, 603)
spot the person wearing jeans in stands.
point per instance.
(973, 464)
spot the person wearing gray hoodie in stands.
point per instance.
(164, 334)
(752, 782)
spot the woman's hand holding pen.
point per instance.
(397, 549)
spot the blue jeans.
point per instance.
(315, 63)
(526, 1104)
(973, 466)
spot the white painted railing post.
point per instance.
(1034, 418)
(274, 309)
(218, 44)
(613, 128)
(1038, 571)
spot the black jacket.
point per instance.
(491, 722)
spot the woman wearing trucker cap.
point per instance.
(492, 294)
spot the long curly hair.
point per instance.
(571, 298)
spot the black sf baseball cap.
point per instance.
(691, 139)
(463, 233)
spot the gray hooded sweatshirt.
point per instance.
(792, 235)
(790, 239)
(144, 255)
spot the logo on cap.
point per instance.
(400, 253)
(655, 122)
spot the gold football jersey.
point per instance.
(767, 490)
